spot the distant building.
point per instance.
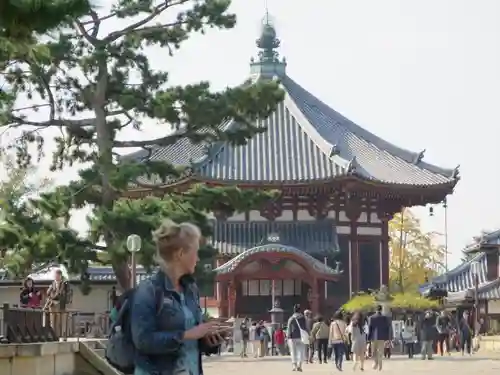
(102, 281)
(326, 237)
(481, 270)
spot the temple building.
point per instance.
(476, 278)
(326, 237)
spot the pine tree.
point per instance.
(21, 21)
(98, 82)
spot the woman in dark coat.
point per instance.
(466, 333)
(30, 296)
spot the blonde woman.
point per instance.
(170, 339)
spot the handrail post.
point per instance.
(5, 316)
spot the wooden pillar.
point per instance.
(385, 213)
(315, 297)
(222, 300)
(353, 211)
(231, 293)
(384, 253)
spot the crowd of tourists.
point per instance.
(356, 338)
(159, 327)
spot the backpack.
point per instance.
(120, 350)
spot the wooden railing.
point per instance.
(26, 325)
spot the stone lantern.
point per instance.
(384, 299)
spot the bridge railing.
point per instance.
(26, 325)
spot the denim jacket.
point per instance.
(157, 331)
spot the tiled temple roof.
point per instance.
(487, 240)
(306, 140)
(232, 237)
(461, 278)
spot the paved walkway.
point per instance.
(481, 363)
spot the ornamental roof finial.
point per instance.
(268, 41)
(268, 64)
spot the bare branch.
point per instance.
(19, 121)
(91, 35)
(162, 141)
(35, 106)
(155, 12)
(94, 21)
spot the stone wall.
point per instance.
(490, 343)
(51, 358)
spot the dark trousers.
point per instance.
(322, 348)
(347, 349)
(387, 352)
(338, 353)
(410, 349)
(310, 352)
(442, 339)
(466, 343)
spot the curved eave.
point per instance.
(317, 109)
(444, 188)
(318, 267)
(461, 272)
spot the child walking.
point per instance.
(388, 349)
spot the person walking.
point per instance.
(466, 333)
(409, 336)
(309, 324)
(379, 331)
(245, 335)
(356, 330)
(319, 334)
(427, 334)
(261, 336)
(166, 322)
(443, 326)
(337, 338)
(279, 340)
(296, 324)
(254, 339)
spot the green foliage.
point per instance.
(413, 301)
(96, 80)
(361, 302)
(403, 301)
(21, 21)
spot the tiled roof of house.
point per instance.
(461, 278)
(486, 240)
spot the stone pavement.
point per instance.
(483, 363)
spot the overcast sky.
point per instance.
(422, 74)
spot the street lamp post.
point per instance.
(475, 268)
(133, 246)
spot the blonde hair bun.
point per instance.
(171, 237)
(167, 229)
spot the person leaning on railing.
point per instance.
(57, 301)
(30, 296)
(170, 336)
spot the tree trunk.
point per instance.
(105, 153)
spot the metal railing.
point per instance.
(28, 325)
